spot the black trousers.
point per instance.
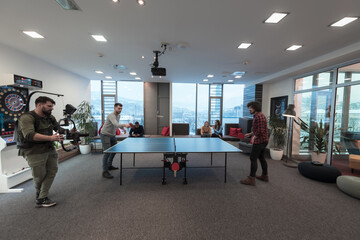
(258, 152)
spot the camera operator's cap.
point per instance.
(131, 125)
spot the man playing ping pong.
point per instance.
(108, 138)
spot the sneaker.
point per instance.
(264, 178)
(113, 168)
(106, 174)
(248, 181)
(44, 202)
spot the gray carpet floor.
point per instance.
(90, 207)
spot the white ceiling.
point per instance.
(210, 30)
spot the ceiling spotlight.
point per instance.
(133, 73)
(141, 2)
(142, 57)
(99, 38)
(275, 17)
(294, 47)
(108, 77)
(115, 1)
(238, 76)
(137, 78)
(99, 72)
(244, 45)
(205, 80)
(230, 80)
(210, 75)
(344, 21)
(33, 34)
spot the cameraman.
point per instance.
(108, 138)
(37, 128)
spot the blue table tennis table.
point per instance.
(172, 148)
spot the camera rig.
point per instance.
(70, 134)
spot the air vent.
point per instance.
(68, 4)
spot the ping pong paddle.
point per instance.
(131, 125)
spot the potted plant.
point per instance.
(317, 140)
(84, 121)
(278, 132)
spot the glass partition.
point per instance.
(349, 73)
(314, 81)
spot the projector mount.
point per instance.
(158, 54)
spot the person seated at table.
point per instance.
(205, 130)
(137, 131)
(218, 129)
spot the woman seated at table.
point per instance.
(205, 130)
(218, 129)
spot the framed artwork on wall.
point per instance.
(278, 106)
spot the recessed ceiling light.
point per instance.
(115, 1)
(205, 80)
(142, 57)
(344, 21)
(244, 45)
(210, 76)
(275, 17)
(230, 80)
(133, 73)
(99, 38)
(137, 78)
(294, 47)
(238, 76)
(33, 34)
(99, 72)
(108, 77)
(141, 2)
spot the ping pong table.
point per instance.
(172, 148)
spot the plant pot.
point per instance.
(85, 148)
(276, 154)
(318, 157)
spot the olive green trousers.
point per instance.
(44, 167)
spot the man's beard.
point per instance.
(47, 113)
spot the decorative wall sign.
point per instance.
(278, 106)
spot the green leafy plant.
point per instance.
(318, 135)
(278, 131)
(84, 121)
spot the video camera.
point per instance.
(70, 134)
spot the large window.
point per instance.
(233, 98)
(183, 104)
(95, 86)
(131, 96)
(313, 108)
(211, 102)
(202, 104)
(215, 102)
(104, 94)
(336, 106)
(314, 81)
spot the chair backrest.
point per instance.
(350, 143)
(180, 128)
(245, 124)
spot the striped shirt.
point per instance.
(260, 129)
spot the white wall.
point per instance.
(276, 89)
(55, 80)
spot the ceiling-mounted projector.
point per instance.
(158, 71)
(155, 70)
